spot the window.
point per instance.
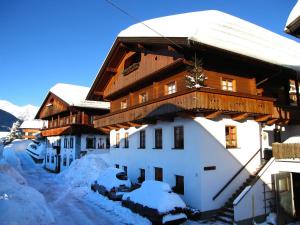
(74, 119)
(65, 160)
(117, 166)
(67, 120)
(125, 169)
(231, 140)
(143, 97)
(142, 139)
(158, 173)
(101, 143)
(171, 88)
(131, 63)
(70, 159)
(91, 119)
(107, 142)
(179, 188)
(48, 158)
(65, 142)
(178, 137)
(124, 104)
(90, 143)
(117, 140)
(71, 142)
(158, 138)
(141, 178)
(126, 140)
(293, 92)
(52, 158)
(228, 84)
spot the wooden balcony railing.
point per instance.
(194, 100)
(286, 150)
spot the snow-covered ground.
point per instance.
(31, 195)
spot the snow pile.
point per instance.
(271, 219)
(11, 172)
(37, 150)
(11, 158)
(155, 195)
(21, 204)
(292, 140)
(85, 170)
(26, 112)
(108, 178)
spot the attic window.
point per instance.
(131, 63)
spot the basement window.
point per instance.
(158, 173)
(131, 63)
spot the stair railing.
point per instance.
(235, 175)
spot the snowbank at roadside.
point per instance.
(11, 158)
(21, 204)
(155, 195)
(85, 170)
(13, 173)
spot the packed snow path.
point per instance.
(68, 205)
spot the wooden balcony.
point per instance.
(72, 129)
(210, 102)
(286, 150)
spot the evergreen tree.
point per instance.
(196, 78)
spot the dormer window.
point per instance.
(131, 63)
(171, 88)
(124, 104)
(228, 84)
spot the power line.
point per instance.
(139, 21)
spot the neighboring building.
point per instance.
(70, 133)
(32, 127)
(189, 103)
(293, 21)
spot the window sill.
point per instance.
(177, 148)
(157, 148)
(141, 148)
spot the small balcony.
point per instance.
(210, 102)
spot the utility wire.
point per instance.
(139, 21)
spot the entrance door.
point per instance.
(285, 195)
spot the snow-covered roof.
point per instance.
(75, 95)
(221, 30)
(33, 124)
(295, 13)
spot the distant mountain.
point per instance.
(26, 112)
(6, 120)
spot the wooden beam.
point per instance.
(111, 70)
(122, 126)
(132, 124)
(262, 118)
(98, 93)
(212, 115)
(141, 47)
(240, 116)
(272, 121)
(171, 49)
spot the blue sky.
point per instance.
(43, 42)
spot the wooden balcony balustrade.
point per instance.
(286, 150)
(201, 100)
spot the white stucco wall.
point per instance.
(244, 210)
(204, 145)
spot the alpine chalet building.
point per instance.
(190, 98)
(70, 133)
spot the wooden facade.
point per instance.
(65, 119)
(138, 76)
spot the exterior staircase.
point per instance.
(226, 213)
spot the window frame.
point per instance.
(117, 145)
(173, 90)
(231, 137)
(158, 174)
(142, 139)
(143, 97)
(158, 138)
(178, 137)
(179, 184)
(126, 140)
(226, 86)
(124, 104)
